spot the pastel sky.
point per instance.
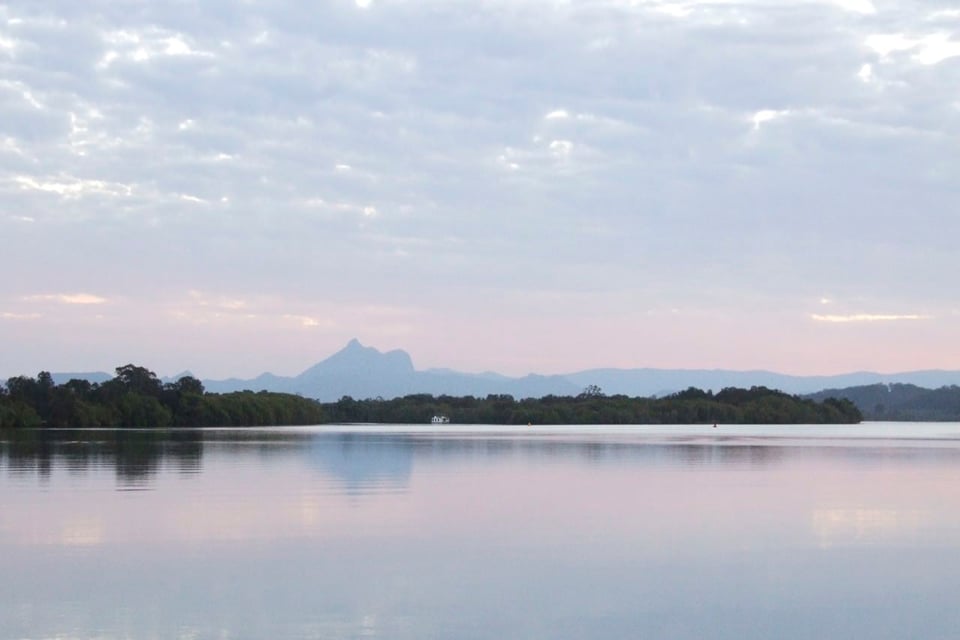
(239, 186)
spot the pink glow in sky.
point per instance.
(531, 187)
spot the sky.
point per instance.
(240, 186)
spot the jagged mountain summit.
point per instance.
(356, 359)
(365, 372)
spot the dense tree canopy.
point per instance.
(757, 405)
(900, 401)
(137, 398)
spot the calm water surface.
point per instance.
(479, 532)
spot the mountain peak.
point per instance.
(358, 360)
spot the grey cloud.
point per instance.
(664, 178)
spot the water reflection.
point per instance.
(136, 455)
(308, 533)
(362, 462)
(359, 458)
(860, 526)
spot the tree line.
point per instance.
(135, 397)
(757, 405)
(899, 401)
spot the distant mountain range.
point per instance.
(90, 376)
(364, 372)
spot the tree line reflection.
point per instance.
(371, 460)
(135, 455)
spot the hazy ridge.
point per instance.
(364, 372)
(361, 372)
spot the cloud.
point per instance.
(930, 49)
(10, 315)
(222, 302)
(864, 7)
(24, 92)
(867, 317)
(438, 155)
(67, 298)
(139, 46)
(7, 45)
(936, 48)
(767, 115)
(10, 144)
(561, 148)
(309, 322)
(71, 187)
(263, 313)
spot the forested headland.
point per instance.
(900, 402)
(135, 397)
(757, 405)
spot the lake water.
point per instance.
(478, 532)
